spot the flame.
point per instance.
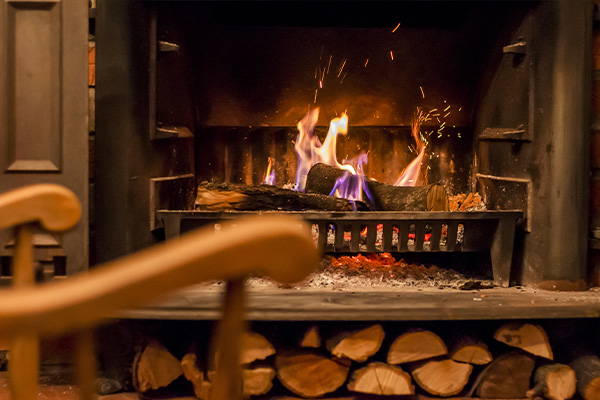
(269, 176)
(352, 186)
(410, 174)
(310, 150)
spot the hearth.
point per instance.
(190, 92)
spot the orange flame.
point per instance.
(310, 150)
(410, 174)
(269, 176)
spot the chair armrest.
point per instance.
(54, 206)
(276, 246)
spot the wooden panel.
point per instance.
(427, 304)
(43, 109)
(33, 75)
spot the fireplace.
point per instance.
(191, 92)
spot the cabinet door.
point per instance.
(43, 115)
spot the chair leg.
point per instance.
(24, 362)
(85, 361)
(23, 367)
(227, 384)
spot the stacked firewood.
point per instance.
(355, 365)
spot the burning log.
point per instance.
(297, 372)
(223, 196)
(155, 367)
(507, 377)
(321, 179)
(193, 374)
(469, 350)
(528, 337)
(311, 338)
(381, 379)
(587, 370)
(443, 377)
(554, 382)
(358, 345)
(415, 346)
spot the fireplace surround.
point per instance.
(192, 91)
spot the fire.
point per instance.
(410, 175)
(269, 176)
(310, 150)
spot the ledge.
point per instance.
(203, 303)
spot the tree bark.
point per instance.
(415, 346)
(321, 179)
(587, 370)
(507, 377)
(222, 196)
(358, 345)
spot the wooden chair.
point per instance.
(279, 247)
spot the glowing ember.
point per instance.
(310, 150)
(269, 176)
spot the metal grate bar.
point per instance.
(452, 235)
(436, 235)
(371, 237)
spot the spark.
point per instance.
(342, 68)
(439, 122)
(366, 62)
(316, 91)
(392, 55)
(422, 92)
(459, 136)
(397, 26)
(344, 77)
(329, 64)
(435, 115)
(434, 110)
(448, 113)
(315, 73)
(447, 108)
(443, 125)
(321, 84)
(460, 108)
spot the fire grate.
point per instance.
(375, 231)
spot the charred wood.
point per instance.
(321, 179)
(222, 196)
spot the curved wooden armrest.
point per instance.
(56, 207)
(279, 247)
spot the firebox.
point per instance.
(193, 94)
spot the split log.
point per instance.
(255, 347)
(321, 179)
(193, 374)
(358, 345)
(554, 382)
(311, 338)
(587, 370)
(528, 337)
(222, 197)
(471, 351)
(382, 379)
(415, 346)
(507, 377)
(155, 367)
(442, 377)
(311, 375)
(257, 381)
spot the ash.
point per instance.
(374, 270)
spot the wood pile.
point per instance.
(373, 361)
